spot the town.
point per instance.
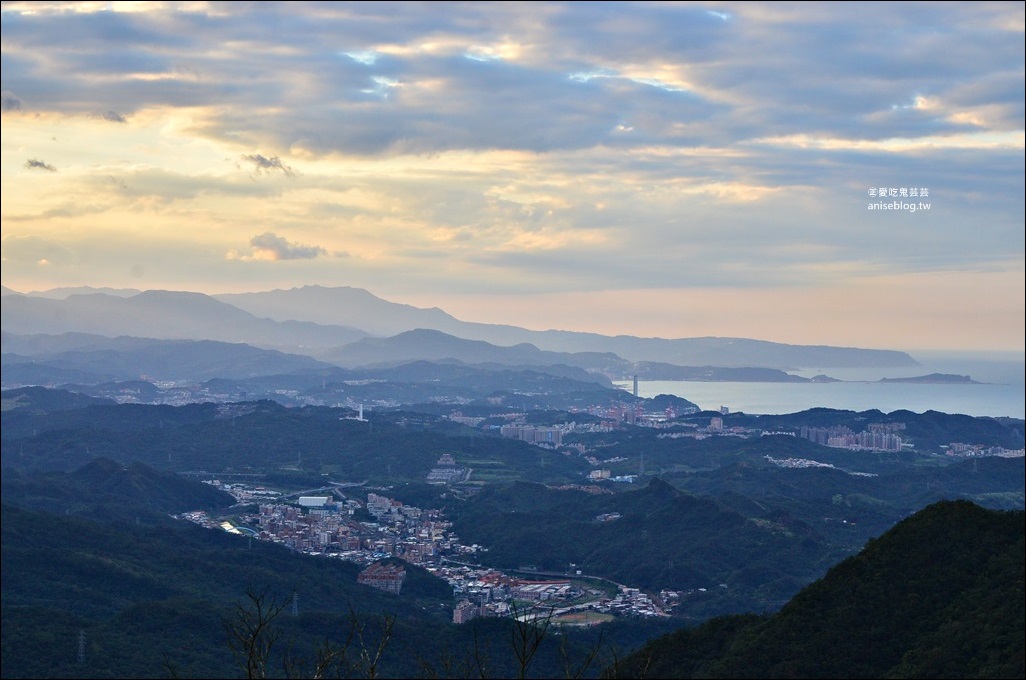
(329, 526)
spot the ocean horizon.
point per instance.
(998, 390)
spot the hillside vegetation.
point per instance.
(938, 596)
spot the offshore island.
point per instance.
(942, 378)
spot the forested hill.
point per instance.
(654, 537)
(940, 595)
(106, 490)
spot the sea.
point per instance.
(998, 389)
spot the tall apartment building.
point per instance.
(465, 611)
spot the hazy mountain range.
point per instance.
(78, 357)
(347, 327)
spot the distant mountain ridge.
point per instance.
(168, 315)
(331, 306)
(652, 370)
(348, 305)
(432, 345)
(315, 319)
(62, 293)
(86, 359)
(125, 358)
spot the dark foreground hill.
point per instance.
(940, 595)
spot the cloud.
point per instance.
(271, 247)
(550, 146)
(683, 73)
(264, 164)
(9, 102)
(35, 164)
(34, 250)
(114, 117)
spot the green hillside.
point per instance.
(674, 540)
(263, 436)
(939, 595)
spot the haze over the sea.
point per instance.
(999, 388)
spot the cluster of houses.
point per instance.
(327, 526)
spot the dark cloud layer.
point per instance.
(9, 102)
(264, 164)
(36, 164)
(435, 77)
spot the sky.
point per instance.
(650, 169)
